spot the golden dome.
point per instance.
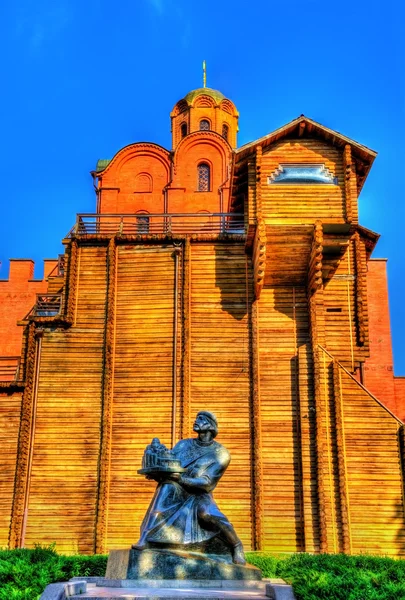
(215, 94)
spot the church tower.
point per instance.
(204, 109)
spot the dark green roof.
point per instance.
(102, 163)
(218, 96)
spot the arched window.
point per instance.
(142, 223)
(183, 129)
(203, 177)
(143, 183)
(205, 125)
(225, 131)
(302, 174)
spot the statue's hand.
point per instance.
(162, 477)
(158, 477)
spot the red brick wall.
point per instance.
(204, 107)
(379, 370)
(197, 148)
(400, 396)
(124, 186)
(135, 180)
(17, 297)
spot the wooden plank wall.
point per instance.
(310, 499)
(221, 292)
(10, 414)
(63, 487)
(55, 284)
(340, 327)
(303, 203)
(142, 389)
(283, 328)
(288, 251)
(329, 477)
(373, 479)
(363, 478)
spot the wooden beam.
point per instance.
(24, 444)
(361, 291)
(257, 471)
(315, 281)
(308, 447)
(100, 543)
(350, 185)
(317, 330)
(341, 454)
(71, 281)
(186, 354)
(259, 257)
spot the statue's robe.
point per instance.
(173, 515)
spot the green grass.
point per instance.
(336, 576)
(24, 574)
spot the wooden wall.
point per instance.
(10, 415)
(330, 463)
(345, 305)
(221, 292)
(371, 453)
(64, 477)
(283, 328)
(142, 386)
(289, 203)
(340, 311)
(331, 522)
(308, 442)
(361, 481)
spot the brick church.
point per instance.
(236, 280)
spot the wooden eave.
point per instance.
(303, 126)
(370, 237)
(102, 239)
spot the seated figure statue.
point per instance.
(183, 511)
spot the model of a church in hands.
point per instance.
(159, 459)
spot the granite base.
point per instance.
(161, 564)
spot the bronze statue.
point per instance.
(183, 511)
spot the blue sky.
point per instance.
(82, 78)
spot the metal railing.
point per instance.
(9, 368)
(158, 223)
(46, 305)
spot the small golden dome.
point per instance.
(215, 94)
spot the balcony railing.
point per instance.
(158, 223)
(9, 368)
(59, 268)
(46, 305)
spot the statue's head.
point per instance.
(206, 421)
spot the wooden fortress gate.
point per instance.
(261, 318)
(149, 332)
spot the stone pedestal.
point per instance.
(162, 564)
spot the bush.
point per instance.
(24, 574)
(336, 576)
